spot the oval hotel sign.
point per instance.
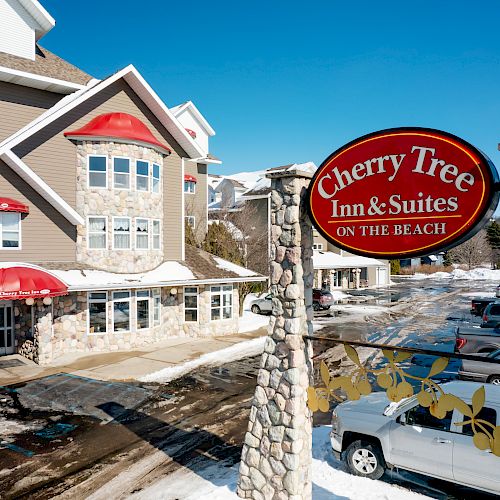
(402, 192)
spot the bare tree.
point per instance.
(473, 252)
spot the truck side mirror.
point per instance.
(402, 419)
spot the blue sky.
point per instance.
(284, 82)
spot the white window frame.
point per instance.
(156, 299)
(147, 177)
(150, 315)
(148, 233)
(318, 246)
(221, 293)
(153, 190)
(191, 220)
(130, 232)
(105, 172)
(101, 301)
(189, 184)
(113, 300)
(89, 233)
(192, 294)
(153, 234)
(121, 173)
(10, 249)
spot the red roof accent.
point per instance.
(10, 205)
(190, 178)
(118, 126)
(23, 282)
(192, 133)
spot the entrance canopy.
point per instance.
(331, 260)
(22, 281)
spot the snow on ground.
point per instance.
(235, 352)
(330, 481)
(480, 273)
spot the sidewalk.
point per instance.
(115, 366)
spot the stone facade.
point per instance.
(276, 457)
(62, 327)
(114, 203)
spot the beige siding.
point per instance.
(20, 105)
(53, 157)
(45, 234)
(196, 204)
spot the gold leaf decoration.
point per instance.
(352, 354)
(325, 373)
(478, 399)
(312, 399)
(438, 366)
(481, 441)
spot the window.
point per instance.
(156, 235)
(121, 173)
(142, 309)
(98, 317)
(421, 417)
(318, 246)
(190, 220)
(121, 311)
(191, 303)
(10, 227)
(98, 173)
(156, 178)
(487, 414)
(142, 175)
(121, 232)
(97, 232)
(156, 306)
(190, 187)
(221, 302)
(142, 234)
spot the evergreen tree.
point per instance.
(447, 259)
(395, 266)
(493, 237)
(219, 241)
(189, 236)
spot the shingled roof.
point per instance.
(46, 64)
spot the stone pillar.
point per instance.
(276, 458)
(42, 332)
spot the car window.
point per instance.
(269, 297)
(495, 310)
(422, 417)
(488, 414)
(494, 354)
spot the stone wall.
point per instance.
(113, 203)
(276, 457)
(68, 332)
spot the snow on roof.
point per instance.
(262, 186)
(248, 179)
(330, 260)
(235, 232)
(234, 268)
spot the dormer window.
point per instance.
(189, 184)
(10, 229)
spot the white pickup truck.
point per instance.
(372, 434)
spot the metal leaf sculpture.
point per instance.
(393, 379)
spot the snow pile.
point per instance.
(338, 296)
(480, 273)
(235, 352)
(330, 481)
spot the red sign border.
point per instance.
(478, 221)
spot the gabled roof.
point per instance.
(177, 110)
(44, 20)
(138, 85)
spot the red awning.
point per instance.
(10, 205)
(23, 282)
(190, 178)
(118, 126)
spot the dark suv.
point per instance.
(322, 299)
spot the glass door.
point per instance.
(6, 329)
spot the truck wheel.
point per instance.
(494, 379)
(255, 309)
(365, 459)
(316, 306)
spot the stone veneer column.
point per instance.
(42, 332)
(276, 458)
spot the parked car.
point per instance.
(262, 305)
(322, 299)
(480, 371)
(478, 305)
(472, 340)
(372, 435)
(491, 315)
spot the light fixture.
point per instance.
(30, 301)
(173, 291)
(47, 301)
